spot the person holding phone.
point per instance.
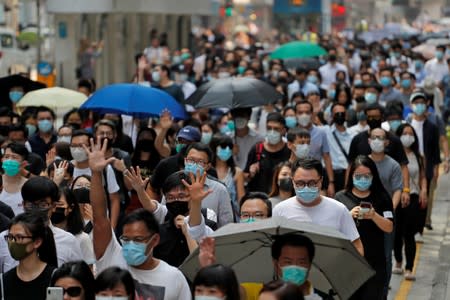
(371, 208)
(74, 280)
(408, 217)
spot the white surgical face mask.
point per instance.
(407, 140)
(376, 145)
(78, 154)
(64, 138)
(304, 120)
(301, 150)
(241, 123)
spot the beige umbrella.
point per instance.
(54, 97)
(427, 50)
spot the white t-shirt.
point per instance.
(113, 187)
(87, 248)
(162, 283)
(328, 212)
(14, 200)
(418, 127)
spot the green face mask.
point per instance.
(18, 251)
(179, 147)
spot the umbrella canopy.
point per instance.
(427, 50)
(247, 249)
(297, 50)
(54, 97)
(233, 93)
(28, 37)
(134, 100)
(6, 83)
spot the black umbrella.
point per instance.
(6, 83)
(233, 93)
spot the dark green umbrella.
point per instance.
(298, 50)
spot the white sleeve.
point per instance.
(87, 248)
(113, 187)
(160, 212)
(183, 288)
(200, 231)
(348, 227)
(111, 257)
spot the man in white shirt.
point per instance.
(81, 138)
(437, 67)
(329, 70)
(154, 278)
(309, 206)
(13, 162)
(40, 195)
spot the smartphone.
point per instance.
(365, 207)
(55, 293)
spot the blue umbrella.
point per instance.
(134, 100)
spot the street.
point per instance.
(433, 256)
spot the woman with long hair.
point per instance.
(31, 242)
(282, 187)
(76, 279)
(408, 217)
(216, 281)
(227, 172)
(371, 209)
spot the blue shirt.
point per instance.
(338, 159)
(319, 143)
(390, 95)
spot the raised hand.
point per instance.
(96, 155)
(166, 120)
(60, 171)
(133, 176)
(207, 252)
(196, 189)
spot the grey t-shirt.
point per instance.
(390, 174)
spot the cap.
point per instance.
(429, 85)
(417, 95)
(190, 133)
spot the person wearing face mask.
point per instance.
(300, 84)
(339, 139)
(372, 92)
(114, 284)
(245, 137)
(393, 115)
(81, 138)
(30, 242)
(361, 117)
(42, 140)
(161, 80)
(67, 216)
(309, 206)
(372, 220)
(216, 282)
(282, 187)
(153, 277)
(408, 217)
(65, 134)
(407, 86)
(428, 140)
(228, 173)
(391, 177)
(40, 196)
(264, 156)
(13, 161)
(319, 148)
(437, 67)
(389, 92)
(299, 142)
(329, 70)
(15, 94)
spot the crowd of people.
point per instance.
(109, 206)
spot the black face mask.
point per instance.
(339, 118)
(41, 212)
(82, 195)
(332, 57)
(58, 215)
(146, 145)
(177, 208)
(4, 130)
(286, 185)
(374, 123)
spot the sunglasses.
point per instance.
(73, 291)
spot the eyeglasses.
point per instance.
(137, 239)
(179, 197)
(198, 162)
(257, 215)
(377, 137)
(38, 205)
(73, 291)
(362, 176)
(310, 184)
(105, 133)
(16, 238)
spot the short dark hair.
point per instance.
(81, 132)
(165, 69)
(220, 276)
(79, 271)
(276, 117)
(86, 84)
(295, 240)
(5, 112)
(201, 148)
(111, 277)
(175, 180)
(308, 163)
(246, 111)
(374, 106)
(38, 188)
(105, 122)
(305, 102)
(19, 127)
(45, 109)
(393, 108)
(18, 148)
(260, 196)
(144, 216)
(296, 132)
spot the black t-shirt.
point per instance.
(15, 288)
(262, 182)
(360, 146)
(372, 237)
